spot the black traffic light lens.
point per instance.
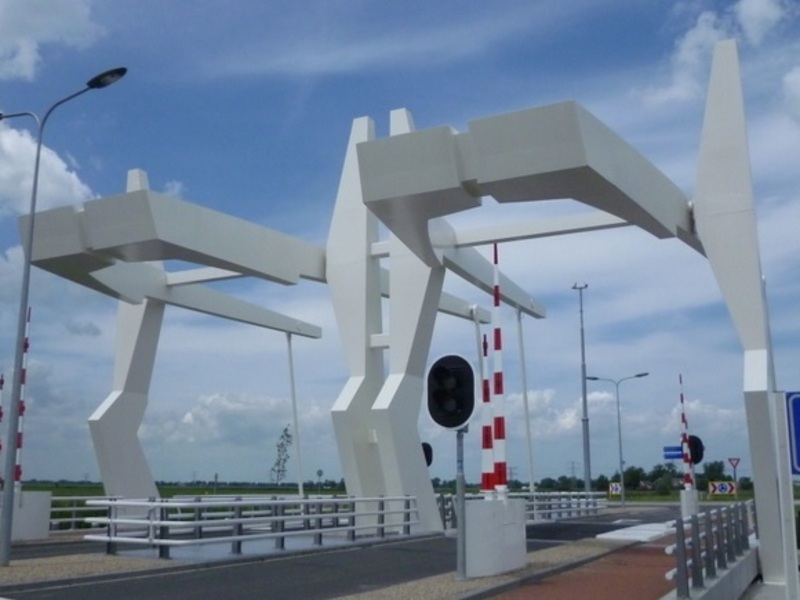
(451, 391)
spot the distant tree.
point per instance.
(548, 484)
(715, 471)
(278, 471)
(662, 470)
(745, 484)
(601, 483)
(634, 477)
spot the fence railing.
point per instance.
(708, 542)
(167, 523)
(70, 512)
(540, 506)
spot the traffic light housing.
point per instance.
(451, 391)
(696, 449)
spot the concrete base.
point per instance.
(690, 503)
(495, 532)
(31, 516)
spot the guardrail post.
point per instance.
(111, 546)
(708, 546)
(238, 528)
(682, 574)
(407, 516)
(198, 516)
(381, 518)
(351, 523)
(304, 510)
(278, 527)
(163, 533)
(318, 522)
(730, 546)
(697, 564)
(737, 530)
(719, 537)
(745, 521)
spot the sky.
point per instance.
(245, 107)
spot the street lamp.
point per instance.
(97, 82)
(616, 383)
(587, 467)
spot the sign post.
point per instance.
(735, 463)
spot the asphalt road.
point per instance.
(317, 576)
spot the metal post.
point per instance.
(9, 466)
(163, 532)
(587, 468)
(294, 417)
(525, 405)
(697, 564)
(616, 383)
(238, 528)
(461, 533)
(682, 576)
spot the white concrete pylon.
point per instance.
(724, 210)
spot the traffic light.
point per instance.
(696, 449)
(451, 391)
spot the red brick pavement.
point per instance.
(632, 573)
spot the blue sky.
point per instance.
(245, 107)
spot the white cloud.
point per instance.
(57, 184)
(690, 60)
(26, 26)
(758, 17)
(175, 188)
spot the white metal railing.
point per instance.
(166, 523)
(540, 506)
(71, 511)
(709, 541)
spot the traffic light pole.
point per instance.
(461, 519)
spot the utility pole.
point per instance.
(587, 468)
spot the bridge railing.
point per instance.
(708, 542)
(68, 513)
(167, 523)
(540, 506)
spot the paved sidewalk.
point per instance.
(631, 573)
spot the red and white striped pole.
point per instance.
(688, 475)
(498, 398)
(21, 420)
(487, 445)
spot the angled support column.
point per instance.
(354, 282)
(114, 425)
(414, 292)
(726, 225)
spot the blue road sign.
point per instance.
(793, 414)
(673, 452)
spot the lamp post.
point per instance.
(7, 509)
(587, 468)
(616, 383)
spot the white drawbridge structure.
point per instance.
(411, 182)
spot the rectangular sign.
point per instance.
(673, 452)
(793, 418)
(721, 488)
